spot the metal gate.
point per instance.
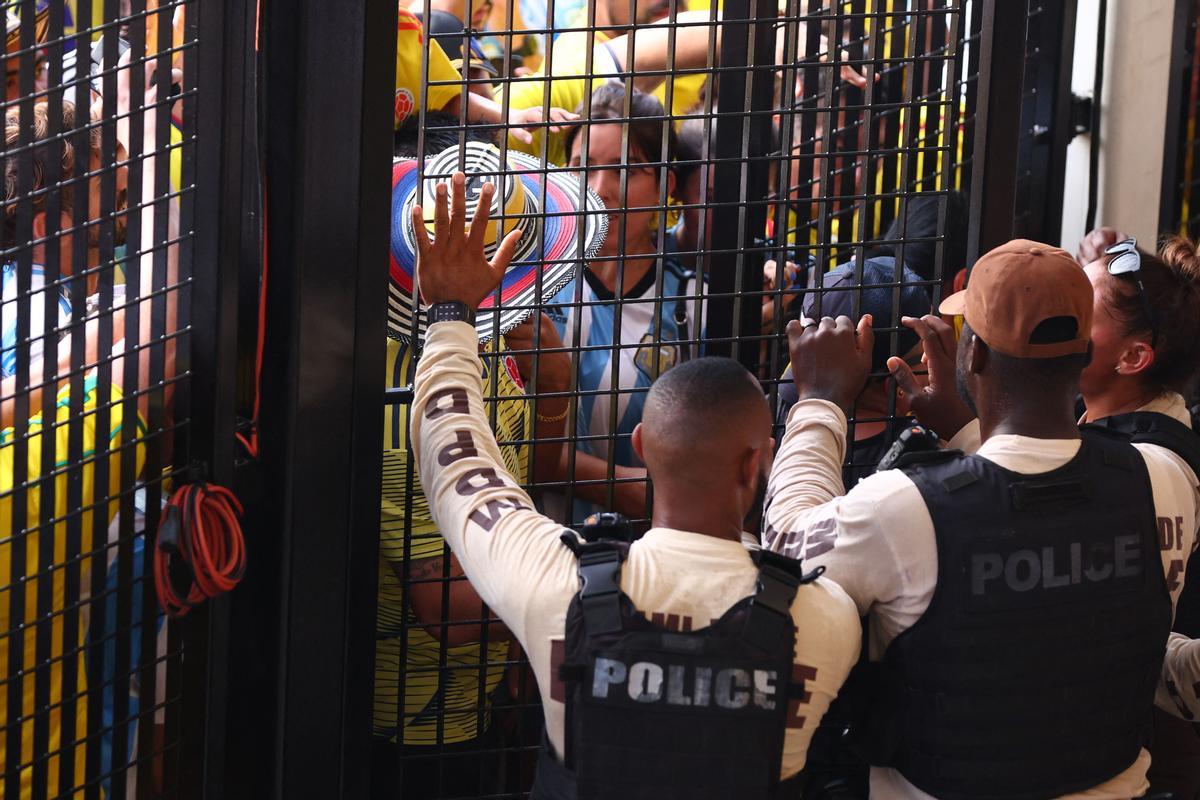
(808, 136)
(774, 144)
(98, 252)
(1179, 210)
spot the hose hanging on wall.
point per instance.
(200, 551)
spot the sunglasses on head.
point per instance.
(1126, 262)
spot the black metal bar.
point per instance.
(997, 128)
(224, 67)
(741, 144)
(1062, 130)
(329, 86)
(1095, 140)
(1170, 206)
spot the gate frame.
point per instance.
(281, 717)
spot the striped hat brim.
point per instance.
(558, 238)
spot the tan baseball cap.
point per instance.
(1017, 287)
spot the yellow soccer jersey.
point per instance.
(409, 52)
(441, 704)
(569, 87)
(62, 700)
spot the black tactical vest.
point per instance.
(654, 713)
(1153, 428)
(1032, 672)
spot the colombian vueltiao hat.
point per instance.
(557, 237)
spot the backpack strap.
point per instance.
(680, 313)
(599, 570)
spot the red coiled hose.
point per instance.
(200, 550)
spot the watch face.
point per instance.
(453, 311)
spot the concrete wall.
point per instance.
(1133, 117)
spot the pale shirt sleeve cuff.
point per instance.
(1178, 691)
(815, 410)
(452, 334)
(967, 439)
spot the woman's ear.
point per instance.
(671, 183)
(1136, 358)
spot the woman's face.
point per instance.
(604, 172)
(1108, 340)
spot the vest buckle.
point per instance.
(600, 587)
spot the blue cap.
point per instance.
(841, 287)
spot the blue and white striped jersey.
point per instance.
(9, 303)
(616, 367)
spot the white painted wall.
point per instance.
(1133, 117)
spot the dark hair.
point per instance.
(711, 388)
(1172, 282)
(646, 119)
(442, 131)
(920, 221)
(690, 149)
(44, 148)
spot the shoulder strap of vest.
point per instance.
(599, 570)
(915, 457)
(775, 588)
(940, 470)
(1149, 427)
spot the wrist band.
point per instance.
(556, 418)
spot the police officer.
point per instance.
(1018, 611)
(1145, 357)
(678, 665)
(1146, 337)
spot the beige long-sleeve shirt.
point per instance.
(878, 540)
(513, 557)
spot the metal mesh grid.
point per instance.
(99, 110)
(782, 140)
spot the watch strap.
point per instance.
(452, 311)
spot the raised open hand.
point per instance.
(454, 267)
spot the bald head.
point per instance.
(700, 421)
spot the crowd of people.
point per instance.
(913, 559)
(90, 322)
(980, 618)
